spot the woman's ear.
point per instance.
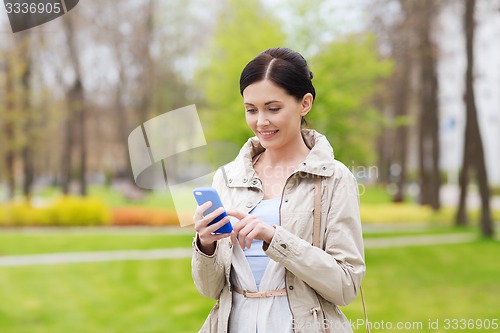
(306, 104)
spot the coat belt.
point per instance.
(260, 294)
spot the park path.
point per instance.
(159, 254)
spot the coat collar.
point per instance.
(320, 161)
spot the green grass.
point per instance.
(407, 284)
(422, 231)
(114, 297)
(12, 243)
(373, 195)
(418, 284)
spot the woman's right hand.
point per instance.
(205, 233)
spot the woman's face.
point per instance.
(273, 115)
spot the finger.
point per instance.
(203, 223)
(198, 213)
(238, 225)
(247, 235)
(238, 214)
(214, 227)
(241, 239)
(210, 217)
(233, 237)
(251, 236)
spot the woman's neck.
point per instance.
(293, 153)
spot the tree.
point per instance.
(243, 30)
(430, 178)
(77, 114)
(473, 156)
(347, 72)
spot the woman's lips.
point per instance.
(268, 134)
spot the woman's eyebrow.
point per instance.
(266, 103)
(273, 101)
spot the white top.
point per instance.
(252, 270)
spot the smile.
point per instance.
(267, 134)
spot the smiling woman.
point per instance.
(296, 250)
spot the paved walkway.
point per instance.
(158, 254)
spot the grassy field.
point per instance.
(13, 243)
(404, 286)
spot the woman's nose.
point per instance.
(262, 119)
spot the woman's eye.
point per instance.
(274, 109)
(250, 110)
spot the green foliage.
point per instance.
(80, 211)
(22, 214)
(65, 211)
(243, 30)
(346, 73)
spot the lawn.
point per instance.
(19, 242)
(114, 297)
(432, 284)
(409, 285)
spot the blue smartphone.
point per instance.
(204, 194)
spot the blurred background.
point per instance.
(408, 93)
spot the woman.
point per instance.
(267, 275)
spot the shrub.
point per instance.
(127, 216)
(66, 211)
(77, 211)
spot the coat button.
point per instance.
(304, 163)
(324, 168)
(245, 180)
(249, 204)
(254, 181)
(286, 200)
(230, 180)
(290, 287)
(283, 246)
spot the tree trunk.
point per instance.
(10, 154)
(77, 106)
(473, 150)
(145, 102)
(402, 88)
(430, 179)
(123, 124)
(27, 150)
(67, 155)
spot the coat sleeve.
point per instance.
(336, 272)
(208, 271)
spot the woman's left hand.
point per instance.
(249, 228)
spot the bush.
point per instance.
(76, 211)
(66, 211)
(23, 214)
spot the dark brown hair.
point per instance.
(284, 67)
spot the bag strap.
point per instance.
(317, 233)
(317, 213)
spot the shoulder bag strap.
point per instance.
(317, 234)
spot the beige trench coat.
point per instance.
(317, 279)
